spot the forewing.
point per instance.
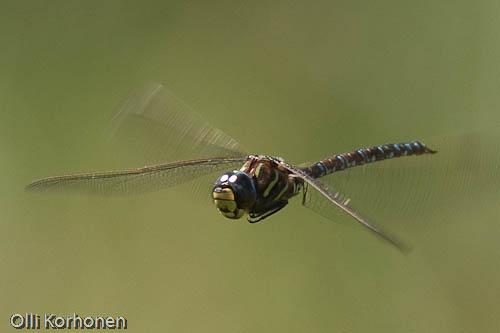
(135, 181)
(156, 127)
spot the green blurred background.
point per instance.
(298, 79)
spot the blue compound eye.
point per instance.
(242, 187)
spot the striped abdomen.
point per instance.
(367, 155)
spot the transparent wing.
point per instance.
(152, 127)
(340, 205)
(407, 191)
(135, 181)
(156, 127)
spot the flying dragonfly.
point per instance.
(251, 185)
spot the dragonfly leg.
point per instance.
(259, 216)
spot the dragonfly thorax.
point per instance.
(234, 194)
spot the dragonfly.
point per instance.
(251, 185)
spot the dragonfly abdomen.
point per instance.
(366, 155)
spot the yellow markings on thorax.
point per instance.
(271, 184)
(281, 193)
(296, 186)
(257, 170)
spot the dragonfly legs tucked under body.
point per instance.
(255, 217)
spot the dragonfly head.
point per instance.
(234, 193)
